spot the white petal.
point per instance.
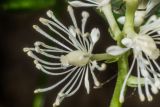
(81, 4)
(95, 35)
(127, 42)
(86, 81)
(121, 20)
(116, 50)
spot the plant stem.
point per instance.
(122, 71)
(131, 6)
(107, 10)
(104, 56)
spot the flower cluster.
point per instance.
(73, 60)
(72, 54)
(145, 50)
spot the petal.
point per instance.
(116, 50)
(81, 4)
(95, 35)
(121, 20)
(127, 42)
(86, 81)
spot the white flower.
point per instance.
(89, 3)
(143, 11)
(145, 50)
(70, 56)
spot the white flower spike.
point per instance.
(71, 59)
(145, 55)
(145, 50)
(89, 3)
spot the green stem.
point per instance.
(131, 7)
(38, 100)
(122, 71)
(104, 57)
(107, 10)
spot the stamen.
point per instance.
(40, 67)
(74, 78)
(71, 12)
(38, 44)
(141, 95)
(37, 28)
(85, 16)
(28, 49)
(121, 99)
(55, 85)
(96, 82)
(80, 83)
(55, 31)
(149, 97)
(30, 54)
(86, 81)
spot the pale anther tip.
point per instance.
(29, 53)
(36, 91)
(35, 26)
(142, 98)
(103, 66)
(121, 99)
(49, 13)
(37, 43)
(26, 49)
(37, 49)
(35, 62)
(70, 8)
(85, 14)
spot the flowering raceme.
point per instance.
(145, 54)
(73, 61)
(70, 54)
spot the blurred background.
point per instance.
(18, 75)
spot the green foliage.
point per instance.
(26, 4)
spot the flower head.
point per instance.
(145, 50)
(89, 3)
(71, 59)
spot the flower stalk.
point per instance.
(131, 6)
(122, 71)
(107, 10)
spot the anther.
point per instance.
(26, 49)
(30, 53)
(85, 14)
(37, 43)
(142, 98)
(37, 91)
(50, 14)
(43, 20)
